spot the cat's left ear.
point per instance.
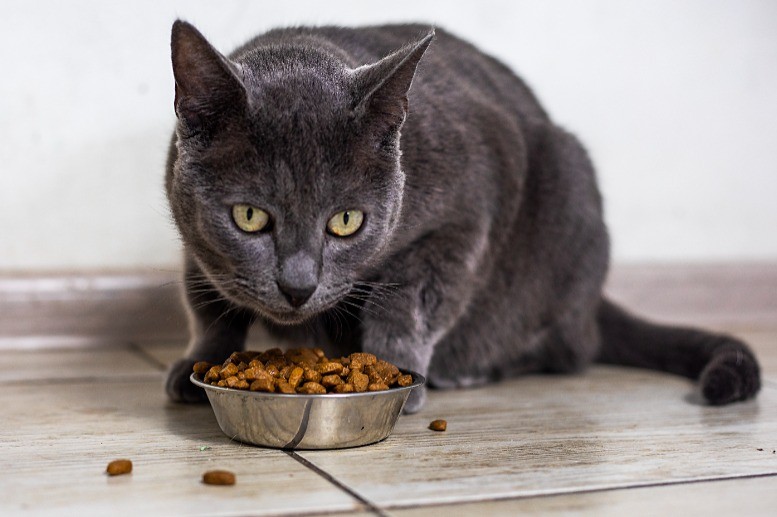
(207, 84)
(381, 88)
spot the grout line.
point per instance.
(87, 379)
(143, 353)
(366, 502)
(574, 492)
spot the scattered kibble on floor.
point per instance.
(438, 425)
(119, 467)
(218, 477)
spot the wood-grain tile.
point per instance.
(744, 496)
(611, 427)
(79, 363)
(57, 440)
(165, 352)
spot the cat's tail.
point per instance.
(726, 368)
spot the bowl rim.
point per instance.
(418, 380)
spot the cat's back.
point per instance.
(452, 70)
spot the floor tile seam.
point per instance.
(369, 505)
(90, 344)
(140, 352)
(613, 488)
(86, 379)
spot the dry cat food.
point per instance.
(119, 467)
(218, 477)
(302, 370)
(438, 425)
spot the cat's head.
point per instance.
(287, 186)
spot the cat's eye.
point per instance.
(249, 218)
(345, 223)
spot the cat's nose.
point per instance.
(298, 278)
(296, 295)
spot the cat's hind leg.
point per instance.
(726, 368)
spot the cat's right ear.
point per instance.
(207, 84)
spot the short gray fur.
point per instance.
(483, 249)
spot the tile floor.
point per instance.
(612, 441)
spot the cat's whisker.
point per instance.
(361, 307)
(340, 321)
(345, 314)
(205, 303)
(230, 309)
(378, 290)
(375, 299)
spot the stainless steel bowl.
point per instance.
(296, 421)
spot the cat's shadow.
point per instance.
(695, 398)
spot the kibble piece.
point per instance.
(386, 370)
(328, 368)
(241, 357)
(282, 386)
(242, 384)
(311, 388)
(228, 371)
(295, 376)
(218, 477)
(377, 386)
(343, 388)
(365, 357)
(213, 374)
(302, 355)
(359, 380)
(438, 425)
(264, 382)
(273, 370)
(311, 375)
(330, 381)
(119, 467)
(286, 371)
(372, 374)
(405, 380)
(250, 373)
(231, 382)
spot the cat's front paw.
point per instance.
(415, 401)
(178, 386)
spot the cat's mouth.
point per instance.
(291, 317)
(278, 314)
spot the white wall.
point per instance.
(676, 101)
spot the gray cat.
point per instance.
(394, 190)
